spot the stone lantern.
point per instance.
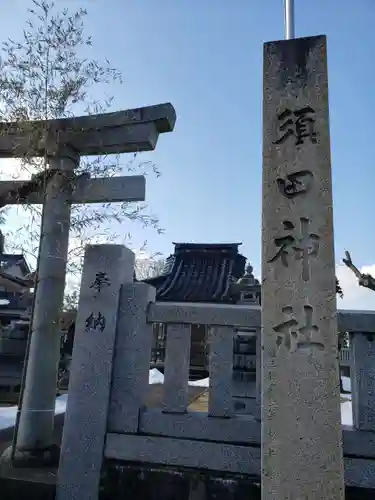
(246, 291)
(247, 288)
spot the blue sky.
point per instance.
(205, 57)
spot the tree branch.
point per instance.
(365, 280)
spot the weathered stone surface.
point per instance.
(176, 371)
(301, 434)
(200, 313)
(362, 374)
(37, 414)
(100, 190)
(184, 453)
(246, 372)
(106, 268)
(122, 481)
(106, 133)
(130, 377)
(244, 316)
(220, 403)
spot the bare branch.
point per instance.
(45, 75)
(365, 280)
(149, 268)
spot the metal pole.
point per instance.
(289, 19)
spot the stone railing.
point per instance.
(159, 343)
(223, 321)
(344, 357)
(108, 416)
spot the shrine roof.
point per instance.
(199, 272)
(10, 302)
(24, 283)
(10, 259)
(10, 370)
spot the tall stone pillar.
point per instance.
(301, 425)
(36, 423)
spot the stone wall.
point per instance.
(123, 482)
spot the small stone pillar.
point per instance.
(246, 351)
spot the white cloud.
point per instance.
(355, 296)
(12, 169)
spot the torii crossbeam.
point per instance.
(63, 142)
(107, 133)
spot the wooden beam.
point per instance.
(107, 190)
(108, 133)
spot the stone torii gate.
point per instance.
(62, 142)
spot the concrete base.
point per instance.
(48, 458)
(24, 480)
(29, 466)
(130, 481)
(26, 483)
(19, 489)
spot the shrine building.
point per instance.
(211, 273)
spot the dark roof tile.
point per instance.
(199, 273)
(9, 259)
